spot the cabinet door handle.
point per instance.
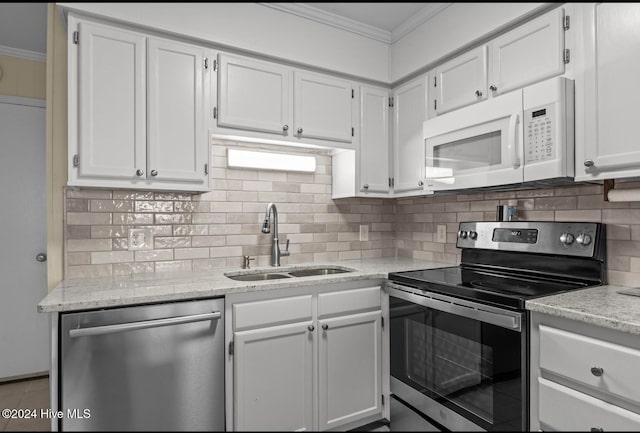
(140, 172)
(311, 328)
(493, 88)
(299, 130)
(597, 429)
(589, 163)
(325, 327)
(597, 371)
(478, 93)
(154, 172)
(285, 128)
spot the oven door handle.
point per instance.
(471, 310)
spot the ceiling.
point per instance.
(23, 26)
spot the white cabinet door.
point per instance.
(461, 81)
(273, 378)
(253, 95)
(408, 142)
(374, 139)
(607, 109)
(111, 109)
(177, 148)
(530, 53)
(350, 368)
(322, 107)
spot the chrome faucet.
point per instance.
(275, 246)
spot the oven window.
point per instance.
(481, 151)
(472, 367)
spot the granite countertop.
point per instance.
(601, 306)
(91, 293)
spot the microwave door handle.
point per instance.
(513, 139)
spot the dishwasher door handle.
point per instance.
(123, 327)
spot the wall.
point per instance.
(417, 221)
(214, 230)
(22, 77)
(257, 29)
(454, 28)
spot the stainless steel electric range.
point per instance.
(459, 335)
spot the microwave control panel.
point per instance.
(539, 133)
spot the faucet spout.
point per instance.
(275, 246)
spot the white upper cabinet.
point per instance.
(461, 81)
(530, 53)
(409, 102)
(322, 107)
(136, 110)
(607, 92)
(253, 95)
(374, 139)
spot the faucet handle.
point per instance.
(286, 251)
(246, 262)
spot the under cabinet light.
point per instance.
(270, 161)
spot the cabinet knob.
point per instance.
(325, 327)
(597, 429)
(597, 371)
(285, 128)
(589, 163)
(311, 328)
(365, 186)
(299, 130)
(41, 257)
(154, 172)
(140, 172)
(493, 88)
(478, 93)
(420, 183)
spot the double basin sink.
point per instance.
(272, 275)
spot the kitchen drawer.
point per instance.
(272, 312)
(574, 356)
(348, 300)
(564, 409)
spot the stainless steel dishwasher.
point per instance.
(151, 367)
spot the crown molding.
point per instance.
(24, 54)
(334, 20)
(417, 19)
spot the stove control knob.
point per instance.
(583, 239)
(462, 234)
(566, 238)
(473, 235)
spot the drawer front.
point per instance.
(272, 312)
(348, 300)
(577, 357)
(564, 409)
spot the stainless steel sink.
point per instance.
(258, 277)
(317, 271)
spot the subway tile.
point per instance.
(79, 232)
(207, 264)
(111, 206)
(89, 271)
(579, 215)
(229, 251)
(191, 253)
(153, 255)
(83, 258)
(77, 205)
(123, 269)
(98, 258)
(174, 266)
(172, 242)
(87, 193)
(87, 218)
(208, 241)
(132, 195)
(178, 218)
(153, 206)
(171, 196)
(132, 218)
(555, 203)
(620, 216)
(190, 230)
(88, 245)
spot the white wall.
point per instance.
(454, 27)
(257, 28)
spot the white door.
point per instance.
(177, 148)
(374, 139)
(607, 110)
(349, 369)
(530, 53)
(408, 142)
(461, 81)
(273, 370)
(24, 333)
(111, 103)
(254, 95)
(322, 107)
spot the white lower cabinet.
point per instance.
(583, 377)
(305, 362)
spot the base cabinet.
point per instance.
(312, 361)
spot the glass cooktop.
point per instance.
(503, 289)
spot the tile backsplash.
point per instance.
(215, 229)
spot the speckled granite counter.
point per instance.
(601, 306)
(90, 293)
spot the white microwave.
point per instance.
(521, 136)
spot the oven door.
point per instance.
(461, 363)
(476, 146)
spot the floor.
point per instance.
(31, 394)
